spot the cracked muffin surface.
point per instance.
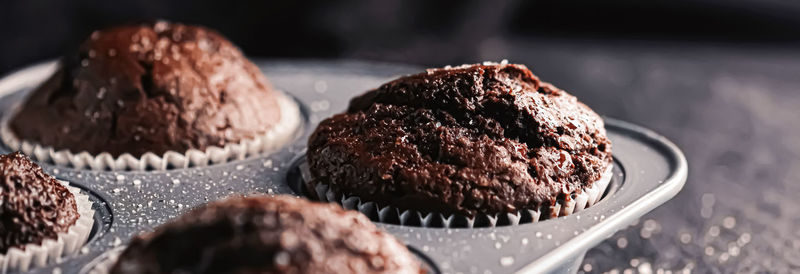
(151, 87)
(489, 138)
(262, 234)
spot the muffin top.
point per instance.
(33, 205)
(487, 138)
(151, 87)
(264, 234)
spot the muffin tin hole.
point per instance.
(427, 263)
(298, 175)
(103, 217)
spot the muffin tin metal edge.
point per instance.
(632, 211)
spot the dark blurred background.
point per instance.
(719, 78)
(416, 31)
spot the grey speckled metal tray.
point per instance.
(649, 170)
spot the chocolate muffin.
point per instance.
(475, 139)
(153, 87)
(33, 205)
(264, 234)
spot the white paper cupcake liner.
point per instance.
(52, 250)
(392, 215)
(278, 135)
(103, 263)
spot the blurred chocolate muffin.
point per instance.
(33, 205)
(152, 87)
(475, 139)
(279, 234)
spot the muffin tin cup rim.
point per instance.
(27, 76)
(103, 263)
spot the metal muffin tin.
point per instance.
(649, 170)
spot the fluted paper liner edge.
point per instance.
(392, 215)
(280, 134)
